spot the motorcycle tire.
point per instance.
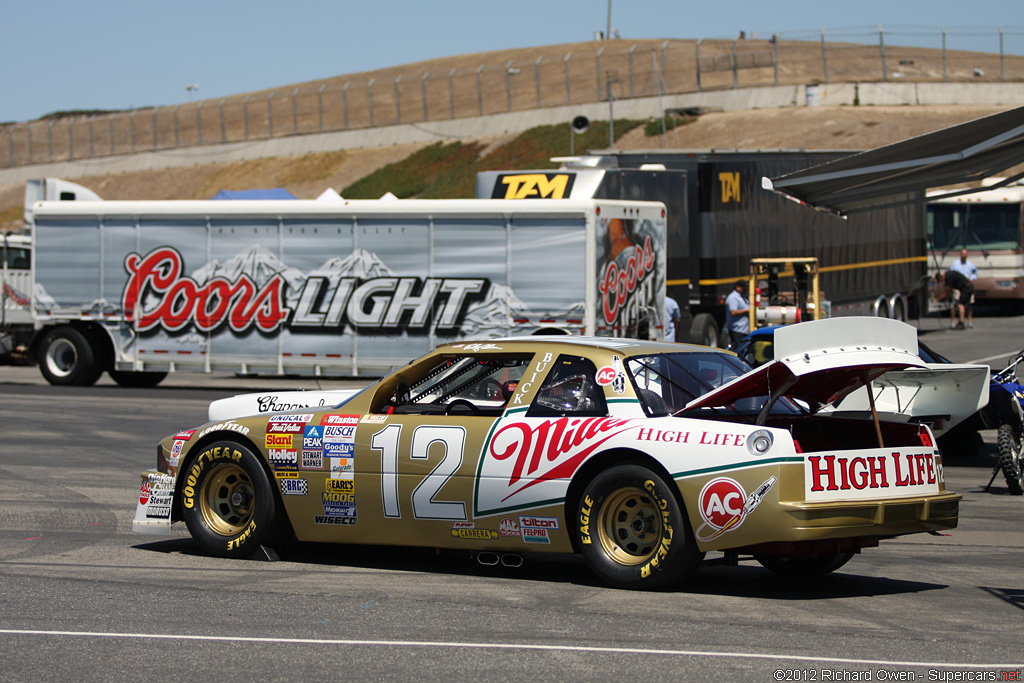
(1011, 458)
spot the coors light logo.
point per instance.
(358, 291)
(624, 283)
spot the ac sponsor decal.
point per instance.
(605, 376)
(278, 441)
(294, 487)
(724, 505)
(533, 186)
(330, 519)
(158, 295)
(866, 474)
(526, 457)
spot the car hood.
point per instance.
(822, 362)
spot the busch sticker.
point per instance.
(724, 505)
(530, 460)
(294, 487)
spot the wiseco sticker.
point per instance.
(533, 186)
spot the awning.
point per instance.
(881, 178)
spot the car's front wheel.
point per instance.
(227, 501)
(631, 530)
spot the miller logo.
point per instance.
(533, 186)
(730, 187)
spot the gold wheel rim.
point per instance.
(227, 500)
(630, 528)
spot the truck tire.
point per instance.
(136, 380)
(66, 358)
(704, 331)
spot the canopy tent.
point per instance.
(882, 177)
(273, 193)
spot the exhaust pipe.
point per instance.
(487, 558)
(511, 560)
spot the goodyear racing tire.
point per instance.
(227, 501)
(136, 380)
(803, 567)
(67, 359)
(1011, 458)
(632, 532)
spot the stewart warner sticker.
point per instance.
(529, 461)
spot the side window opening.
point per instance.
(569, 389)
(465, 385)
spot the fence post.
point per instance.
(177, 143)
(943, 54)
(245, 114)
(824, 54)
(270, 115)
(320, 108)
(92, 151)
(508, 84)
(536, 77)
(598, 62)
(110, 121)
(398, 101)
(775, 61)
(295, 114)
(664, 67)
(568, 92)
(29, 129)
(10, 146)
(223, 131)
(369, 94)
(698, 62)
(49, 138)
(423, 91)
(71, 140)
(154, 127)
(631, 51)
(735, 66)
(479, 91)
(881, 50)
(1002, 57)
(451, 92)
(199, 122)
(344, 102)
(131, 130)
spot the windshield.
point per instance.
(666, 382)
(973, 226)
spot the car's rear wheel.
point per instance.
(632, 532)
(803, 567)
(227, 501)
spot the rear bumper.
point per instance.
(890, 517)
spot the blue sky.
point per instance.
(118, 54)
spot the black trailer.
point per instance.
(720, 217)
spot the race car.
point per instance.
(641, 456)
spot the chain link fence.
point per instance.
(545, 77)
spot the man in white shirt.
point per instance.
(963, 298)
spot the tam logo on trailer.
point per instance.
(533, 186)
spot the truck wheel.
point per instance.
(632, 532)
(67, 359)
(803, 567)
(704, 330)
(136, 380)
(1011, 458)
(227, 502)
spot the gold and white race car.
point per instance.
(641, 456)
